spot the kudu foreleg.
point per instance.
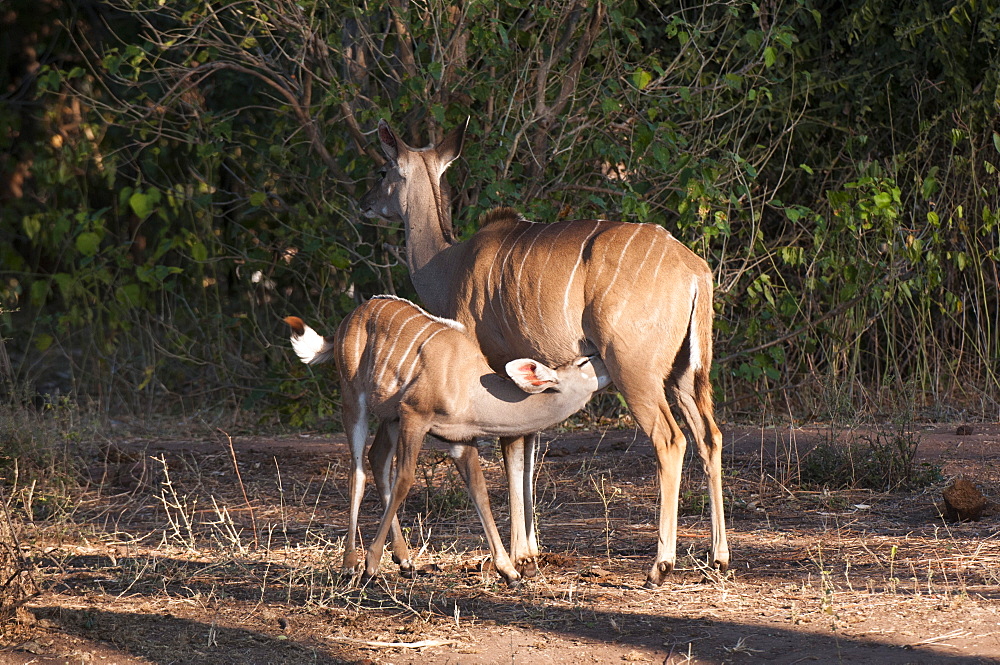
(519, 463)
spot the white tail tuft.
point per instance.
(311, 347)
(694, 342)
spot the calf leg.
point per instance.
(355, 416)
(380, 456)
(411, 436)
(466, 458)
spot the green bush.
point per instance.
(172, 187)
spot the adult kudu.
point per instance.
(630, 293)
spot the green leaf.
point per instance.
(610, 105)
(32, 226)
(929, 187)
(258, 199)
(88, 242)
(198, 251)
(641, 78)
(39, 291)
(43, 341)
(770, 56)
(141, 204)
(129, 295)
(883, 199)
(996, 141)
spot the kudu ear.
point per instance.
(450, 147)
(531, 376)
(389, 141)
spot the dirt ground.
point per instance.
(159, 562)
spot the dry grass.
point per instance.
(170, 534)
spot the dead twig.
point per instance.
(422, 644)
(243, 489)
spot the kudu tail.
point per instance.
(309, 345)
(700, 341)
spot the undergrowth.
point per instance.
(882, 460)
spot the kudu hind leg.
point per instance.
(647, 401)
(355, 423)
(380, 457)
(409, 443)
(693, 393)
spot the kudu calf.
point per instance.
(631, 293)
(419, 374)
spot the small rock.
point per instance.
(31, 646)
(965, 430)
(595, 571)
(963, 501)
(557, 560)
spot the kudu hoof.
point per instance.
(347, 575)
(514, 582)
(658, 574)
(528, 568)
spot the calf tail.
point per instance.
(309, 345)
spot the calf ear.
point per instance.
(531, 376)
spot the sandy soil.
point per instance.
(158, 563)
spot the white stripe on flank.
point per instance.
(618, 266)
(489, 275)
(520, 270)
(416, 358)
(357, 338)
(540, 321)
(377, 339)
(572, 275)
(651, 314)
(638, 277)
(694, 344)
(500, 286)
(386, 358)
(406, 354)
